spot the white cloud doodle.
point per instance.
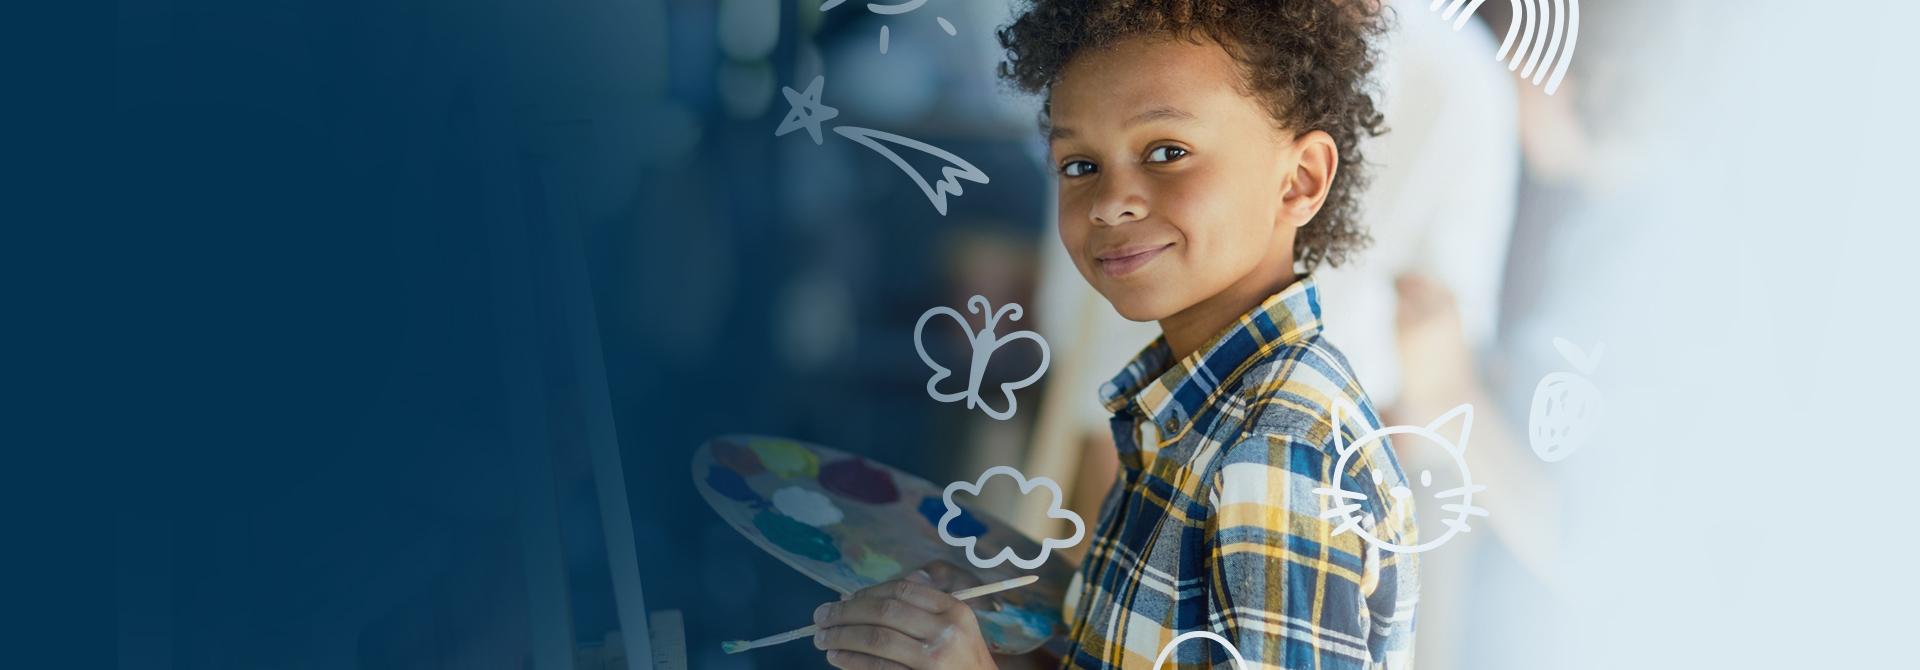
(1566, 407)
(1006, 554)
(1238, 662)
(984, 344)
(1362, 524)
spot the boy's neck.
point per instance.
(1190, 328)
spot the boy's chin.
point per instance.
(1139, 306)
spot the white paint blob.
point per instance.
(808, 507)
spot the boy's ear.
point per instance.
(1314, 161)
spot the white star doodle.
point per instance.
(807, 111)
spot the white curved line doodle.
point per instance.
(984, 344)
(1357, 523)
(950, 181)
(1566, 55)
(1513, 29)
(1532, 16)
(1238, 662)
(1539, 44)
(1006, 554)
(1540, 39)
(1553, 46)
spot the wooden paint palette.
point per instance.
(850, 523)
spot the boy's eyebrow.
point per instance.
(1160, 113)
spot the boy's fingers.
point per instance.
(916, 594)
(853, 660)
(948, 577)
(890, 612)
(880, 642)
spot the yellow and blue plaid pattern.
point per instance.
(1214, 524)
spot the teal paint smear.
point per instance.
(799, 538)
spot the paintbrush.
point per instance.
(737, 646)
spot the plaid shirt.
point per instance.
(1214, 525)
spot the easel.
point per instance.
(559, 406)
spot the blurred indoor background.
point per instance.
(439, 253)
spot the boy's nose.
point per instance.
(1118, 201)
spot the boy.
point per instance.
(1199, 146)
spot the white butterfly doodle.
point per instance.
(984, 342)
(1361, 523)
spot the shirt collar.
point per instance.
(1173, 395)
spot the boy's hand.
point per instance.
(905, 624)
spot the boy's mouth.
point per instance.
(1124, 260)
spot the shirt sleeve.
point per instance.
(1284, 588)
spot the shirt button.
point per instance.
(1171, 424)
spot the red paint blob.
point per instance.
(738, 459)
(855, 480)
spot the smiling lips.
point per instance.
(1124, 260)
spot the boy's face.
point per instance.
(1176, 186)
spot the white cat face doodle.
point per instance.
(1348, 507)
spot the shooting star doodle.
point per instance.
(808, 111)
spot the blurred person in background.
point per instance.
(1678, 187)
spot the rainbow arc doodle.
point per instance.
(1535, 45)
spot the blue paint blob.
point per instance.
(729, 484)
(1032, 623)
(964, 525)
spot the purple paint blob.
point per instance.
(854, 480)
(801, 539)
(737, 458)
(729, 484)
(964, 525)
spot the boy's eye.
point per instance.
(1164, 154)
(1078, 168)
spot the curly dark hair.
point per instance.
(1307, 60)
